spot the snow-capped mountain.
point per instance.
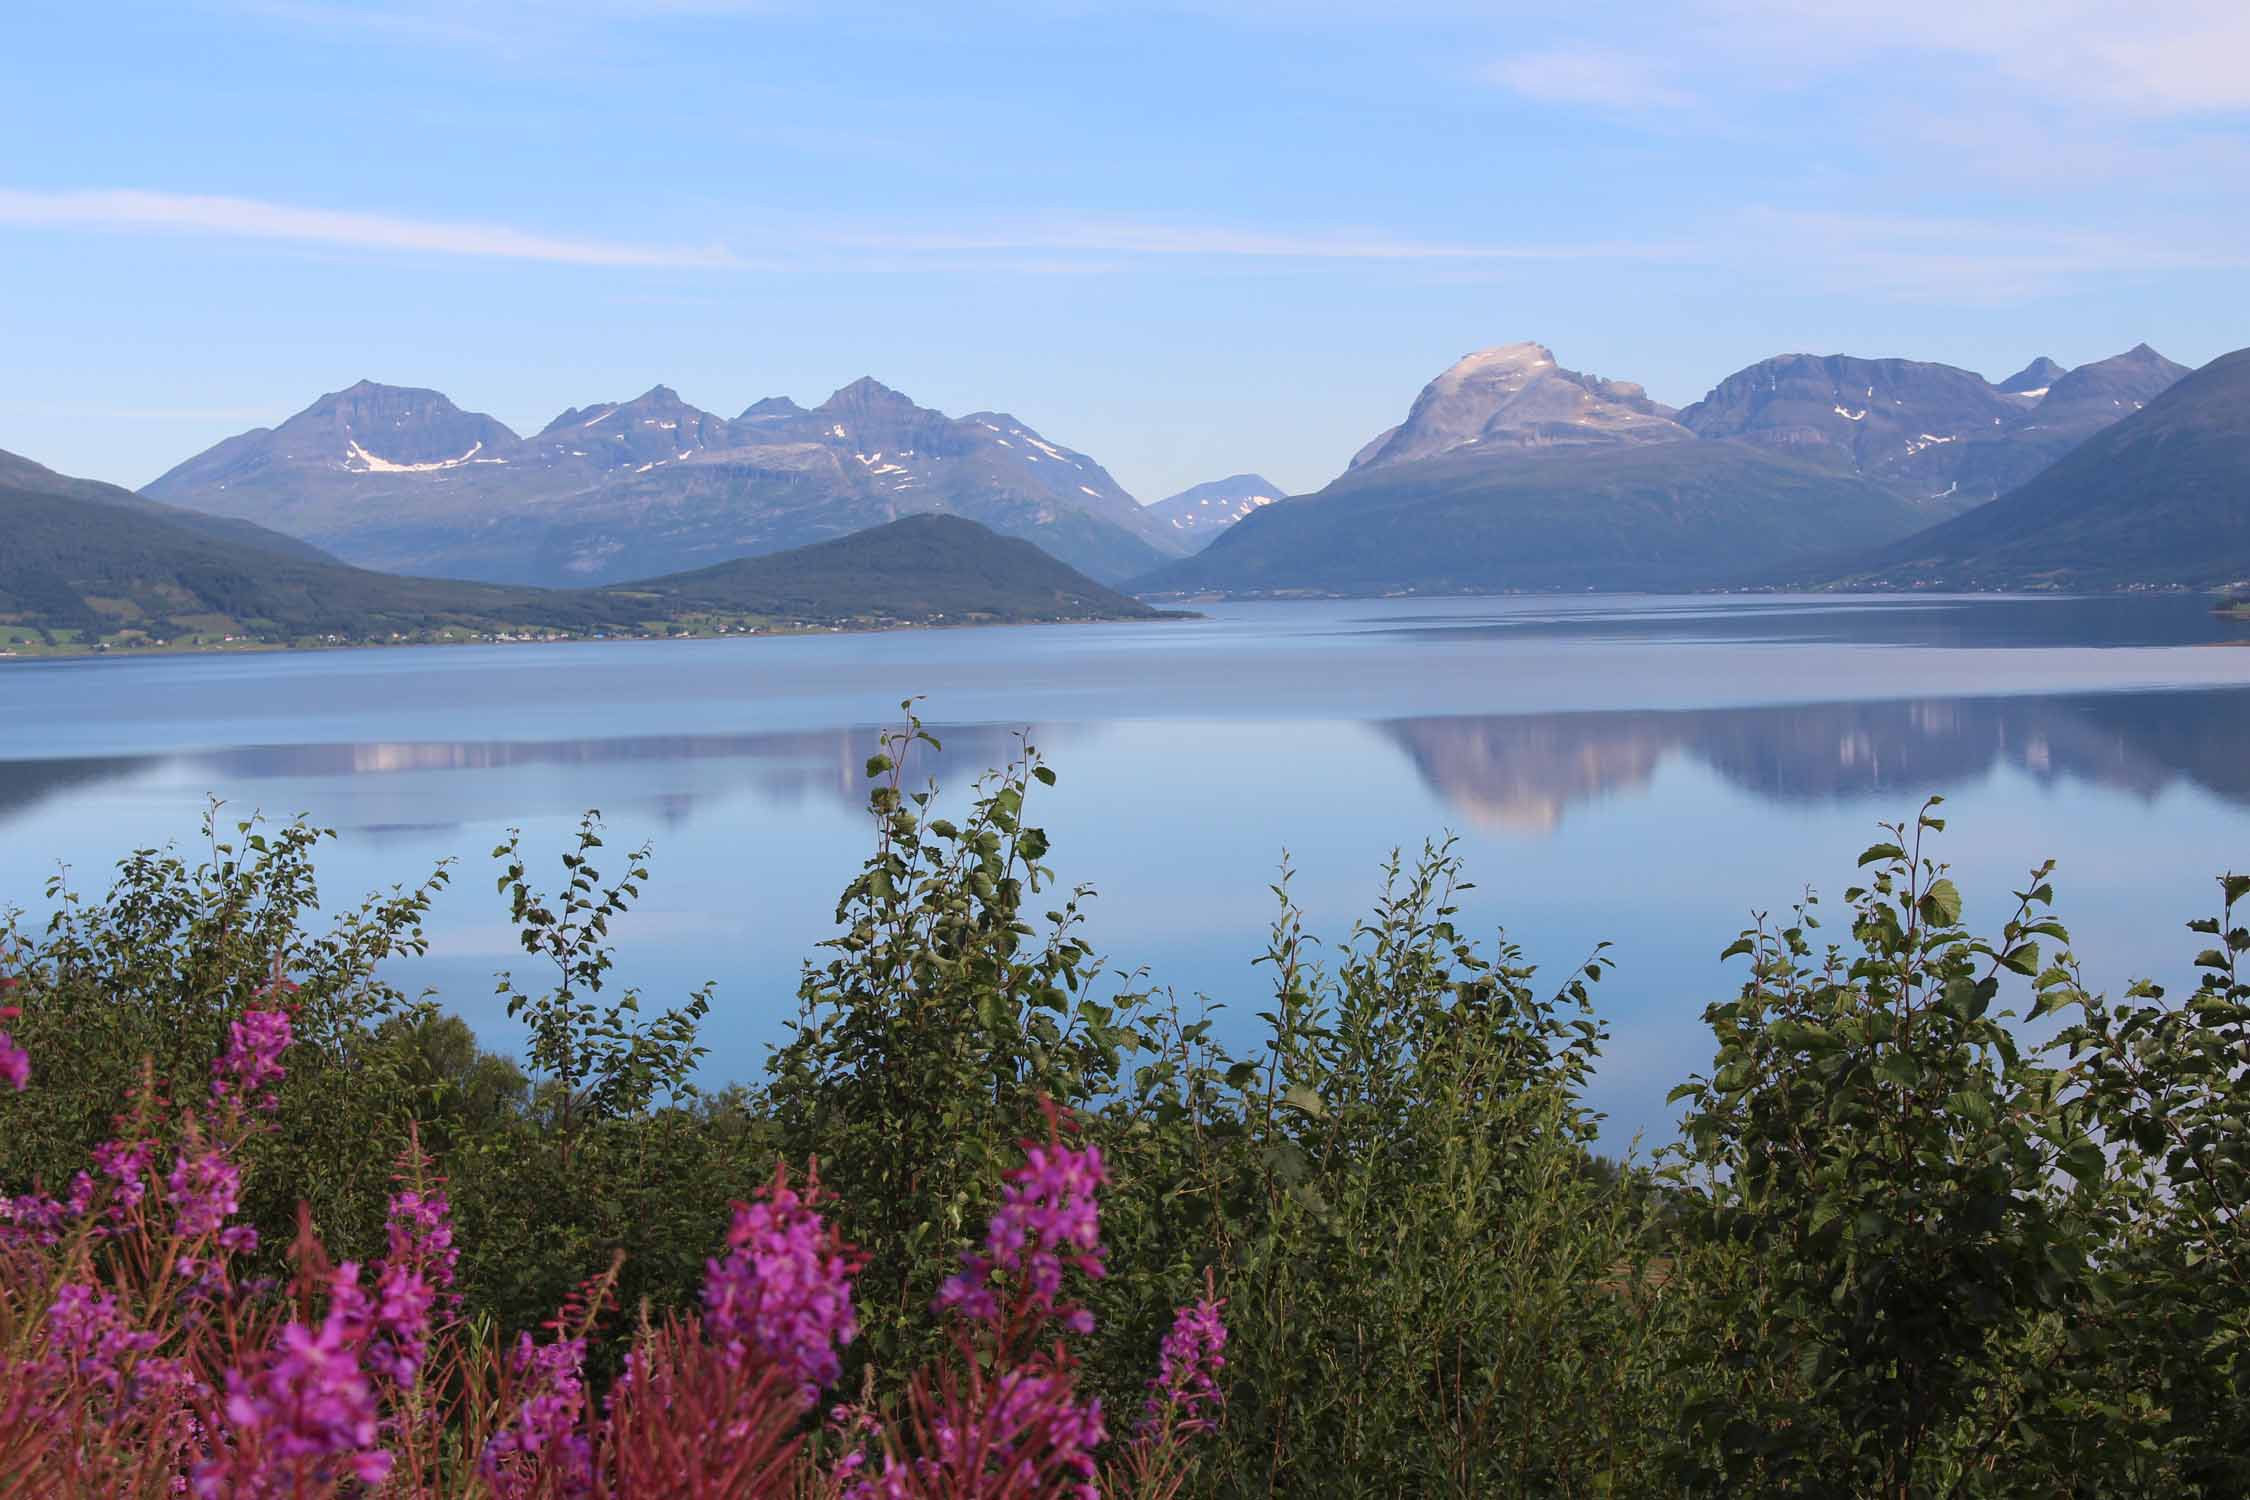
(1201, 512)
(403, 480)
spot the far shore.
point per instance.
(76, 652)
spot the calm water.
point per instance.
(1648, 771)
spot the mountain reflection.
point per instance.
(673, 774)
(1523, 772)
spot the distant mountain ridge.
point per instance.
(401, 479)
(1513, 472)
(1934, 434)
(1202, 511)
(89, 563)
(2159, 498)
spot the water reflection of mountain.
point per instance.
(1523, 772)
(826, 764)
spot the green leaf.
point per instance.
(1941, 903)
(1876, 852)
(1302, 1099)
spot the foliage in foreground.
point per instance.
(1898, 1251)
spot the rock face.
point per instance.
(1936, 435)
(402, 480)
(1200, 513)
(1516, 396)
(2160, 497)
(364, 429)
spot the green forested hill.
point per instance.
(20, 473)
(87, 565)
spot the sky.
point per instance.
(1189, 239)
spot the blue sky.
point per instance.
(1188, 239)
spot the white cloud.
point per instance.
(250, 218)
(1591, 76)
(2158, 57)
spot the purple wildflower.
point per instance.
(15, 1063)
(1186, 1387)
(89, 1338)
(784, 1286)
(204, 1188)
(416, 1273)
(547, 1424)
(421, 1234)
(1049, 1212)
(310, 1407)
(125, 1163)
(251, 1065)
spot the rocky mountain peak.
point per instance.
(771, 409)
(866, 392)
(1517, 396)
(2034, 378)
(2110, 388)
(1202, 511)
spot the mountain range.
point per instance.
(400, 479)
(1936, 435)
(2162, 496)
(1510, 471)
(89, 564)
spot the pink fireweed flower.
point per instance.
(546, 1432)
(125, 1164)
(203, 1188)
(402, 1323)
(310, 1411)
(251, 1066)
(1187, 1373)
(784, 1286)
(89, 1338)
(420, 1228)
(1049, 1214)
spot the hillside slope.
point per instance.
(20, 473)
(2160, 498)
(1639, 516)
(82, 569)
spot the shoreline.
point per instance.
(272, 648)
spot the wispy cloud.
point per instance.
(1143, 239)
(1898, 255)
(1074, 247)
(249, 218)
(1591, 76)
(1949, 259)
